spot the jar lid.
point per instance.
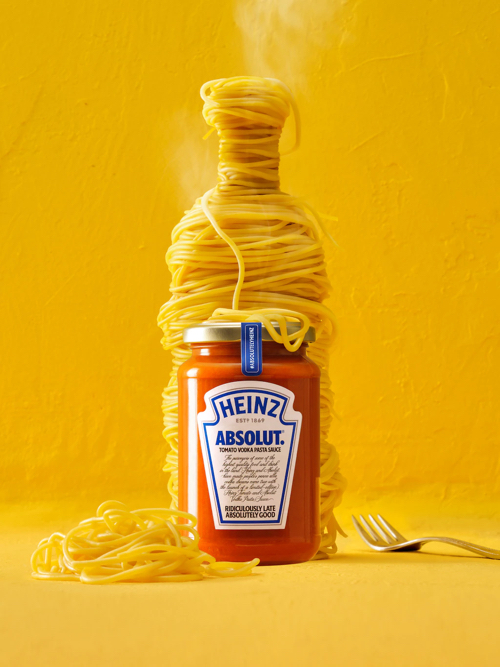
(226, 332)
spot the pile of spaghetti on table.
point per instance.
(119, 544)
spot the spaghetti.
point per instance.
(122, 545)
(247, 251)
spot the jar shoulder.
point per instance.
(224, 366)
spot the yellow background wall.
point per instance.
(101, 151)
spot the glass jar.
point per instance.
(249, 447)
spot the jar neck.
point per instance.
(233, 349)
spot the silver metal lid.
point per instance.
(227, 332)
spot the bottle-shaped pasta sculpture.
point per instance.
(248, 252)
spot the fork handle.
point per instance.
(468, 546)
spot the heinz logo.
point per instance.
(249, 404)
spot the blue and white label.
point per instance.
(251, 348)
(249, 436)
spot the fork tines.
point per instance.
(377, 533)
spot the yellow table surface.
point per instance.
(438, 607)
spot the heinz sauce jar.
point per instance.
(249, 443)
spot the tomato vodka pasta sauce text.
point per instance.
(249, 253)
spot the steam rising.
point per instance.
(284, 39)
(192, 161)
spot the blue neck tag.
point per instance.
(251, 348)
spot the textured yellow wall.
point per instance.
(101, 150)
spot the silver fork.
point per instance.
(381, 536)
